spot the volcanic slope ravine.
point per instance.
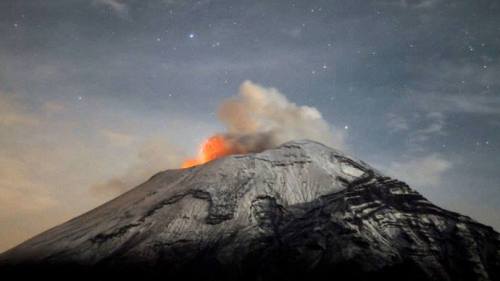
(298, 211)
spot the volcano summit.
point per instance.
(301, 211)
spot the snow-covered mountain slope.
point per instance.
(301, 210)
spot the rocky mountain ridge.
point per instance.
(296, 212)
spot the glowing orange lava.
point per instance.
(213, 148)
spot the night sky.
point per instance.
(100, 94)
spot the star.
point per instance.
(191, 35)
(346, 127)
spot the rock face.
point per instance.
(297, 212)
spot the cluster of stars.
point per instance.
(479, 143)
(324, 67)
(192, 35)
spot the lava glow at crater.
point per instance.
(214, 147)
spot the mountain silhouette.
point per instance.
(301, 211)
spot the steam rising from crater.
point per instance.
(260, 118)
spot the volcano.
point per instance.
(301, 211)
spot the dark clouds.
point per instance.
(87, 84)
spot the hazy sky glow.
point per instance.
(98, 95)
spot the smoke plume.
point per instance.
(259, 118)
